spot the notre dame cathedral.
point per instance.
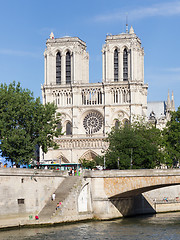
(90, 110)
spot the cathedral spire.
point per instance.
(127, 24)
(168, 101)
(51, 35)
(131, 31)
(172, 102)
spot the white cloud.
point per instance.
(162, 9)
(174, 70)
(169, 80)
(18, 53)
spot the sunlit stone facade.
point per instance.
(90, 110)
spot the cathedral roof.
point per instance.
(158, 108)
(65, 39)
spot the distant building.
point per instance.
(90, 110)
(159, 112)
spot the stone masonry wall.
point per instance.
(24, 192)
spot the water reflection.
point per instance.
(160, 226)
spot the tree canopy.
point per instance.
(171, 136)
(25, 123)
(136, 145)
(141, 145)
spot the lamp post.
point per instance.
(131, 164)
(118, 162)
(60, 163)
(104, 162)
(104, 149)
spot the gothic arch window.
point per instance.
(117, 124)
(59, 126)
(124, 96)
(68, 128)
(58, 68)
(116, 72)
(125, 65)
(126, 122)
(116, 96)
(68, 67)
(100, 97)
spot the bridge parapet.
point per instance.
(131, 173)
(127, 183)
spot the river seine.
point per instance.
(160, 226)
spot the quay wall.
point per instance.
(24, 193)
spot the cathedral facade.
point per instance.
(90, 110)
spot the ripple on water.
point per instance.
(156, 227)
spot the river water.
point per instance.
(160, 226)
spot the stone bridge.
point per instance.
(118, 193)
(128, 183)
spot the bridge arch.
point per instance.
(138, 191)
(127, 186)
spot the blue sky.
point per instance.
(26, 24)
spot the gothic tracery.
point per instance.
(93, 122)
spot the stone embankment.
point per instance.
(26, 193)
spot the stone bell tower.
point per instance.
(123, 67)
(123, 58)
(66, 61)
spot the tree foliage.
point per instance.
(172, 137)
(25, 123)
(136, 145)
(88, 164)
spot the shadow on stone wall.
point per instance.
(134, 205)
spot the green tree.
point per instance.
(136, 145)
(93, 163)
(172, 138)
(25, 123)
(88, 164)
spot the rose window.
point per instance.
(93, 122)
